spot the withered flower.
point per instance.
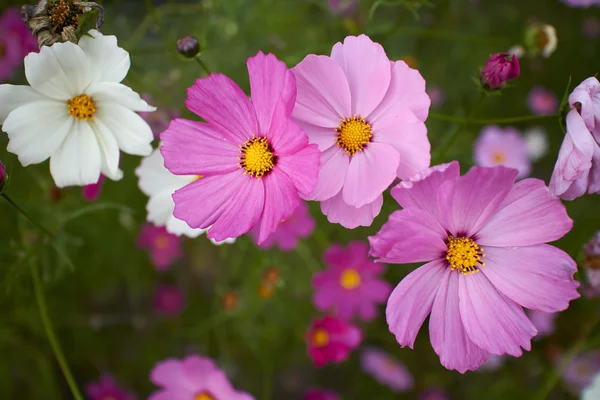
(54, 20)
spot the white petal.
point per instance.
(160, 207)
(61, 71)
(133, 134)
(77, 161)
(36, 130)
(155, 178)
(179, 227)
(109, 150)
(12, 96)
(108, 61)
(119, 94)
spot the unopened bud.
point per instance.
(499, 69)
(188, 46)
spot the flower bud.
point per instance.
(498, 69)
(541, 39)
(188, 46)
(2, 176)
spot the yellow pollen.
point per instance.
(82, 107)
(320, 338)
(354, 133)
(161, 242)
(203, 396)
(498, 157)
(464, 255)
(350, 279)
(257, 157)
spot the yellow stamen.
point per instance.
(350, 279)
(498, 157)
(203, 396)
(354, 133)
(257, 157)
(82, 107)
(320, 338)
(464, 255)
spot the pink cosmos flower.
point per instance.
(434, 394)
(159, 119)
(499, 69)
(543, 322)
(387, 370)
(483, 237)
(367, 116)
(15, 42)
(107, 388)
(255, 161)
(351, 284)
(193, 378)
(577, 168)
(590, 27)
(168, 300)
(91, 192)
(502, 146)
(542, 101)
(299, 225)
(164, 248)
(330, 339)
(581, 370)
(581, 3)
(320, 394)
(437, 96)
(591, 265)
(342, 7)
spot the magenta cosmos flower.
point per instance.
(15, 42)
(320, 394)
(502, 146)
(164, 248)
(331, 339)
(483, 237)
(299, 225)
(577, 168)
(499, 69)
(91, 192)
(193, 378)
(386, 369)
(367, 116)
(255, 161)
(107, 388)
(351, 284)
(168, 300)
(542, 101)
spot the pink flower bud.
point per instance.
(498, 69)
(188, 46)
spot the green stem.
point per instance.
(507, 120)
(26, 215)
(202, 65)
(41, 301)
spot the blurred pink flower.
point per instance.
(91, 192)
(159, 119)
(543, 322)
(483, 237)
(433, 394)
(436, 94)
(2, 175)
(193, 378)
(330, 339)
(254, 159)
(343, 7)
(367, 116)
(542, 101)
(351, 284)
(320, 394)
(577, 168)
(164, 248)
(168, 300)
(299, 225)
(16, 41)
(502, 146)
(386, 369)
(106, 388)
(499, 69)
(581, 3)
(582, 369)
(493, 363)
(590, 26)
(591, 266)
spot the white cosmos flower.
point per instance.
(592, 392)
(76, 112)
(159, 184)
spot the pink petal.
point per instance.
(323, 97)
(370, 172)
(528, 215)
(349, 217)
(358, 250)
(224, 105)
(367, 69)
(337, 256)
(412, 299)
(537, 277)
(332, 172)
(322, 137)
(271, 83)
(170, 374)
(446, 330)
(195, 148)
(492, 321)
(173, 393)
(284, 134)
(301, 168)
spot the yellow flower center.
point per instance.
(320, 337)
(82, 107)
(161, 242)
(350, 279)
(257, 157)
(464, 255)
(354, 133)
(498, 157)
(203, 396)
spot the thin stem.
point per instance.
(34, 222)
(507, 120)
(202, 65)
(41, 301)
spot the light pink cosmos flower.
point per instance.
(543, 322)
(107, 388)
(386, 369)
(577, 168)
(15, 42)
(168, 300)
(330, 339)
(582, 369)
(193, 378)
(164, 248)
(254, 159)
(351, 284)
(91, 192)
(582, 3)
(367, 116)
(542, 101)
(502, 146)
(320, 394)
(483, 237)
(299, 225)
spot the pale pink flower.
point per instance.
(320, 394)
(483, 237)
(502, 146)
(299, 225)
(91, 192)
(330, 339)
(581, 3)
(168, 300)
(164, 247)
(16, 41)
(367, 116)
(107, 388)
(193, 378)
(582, 369)
(386, 369)
(542, 101)
(342, 7)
